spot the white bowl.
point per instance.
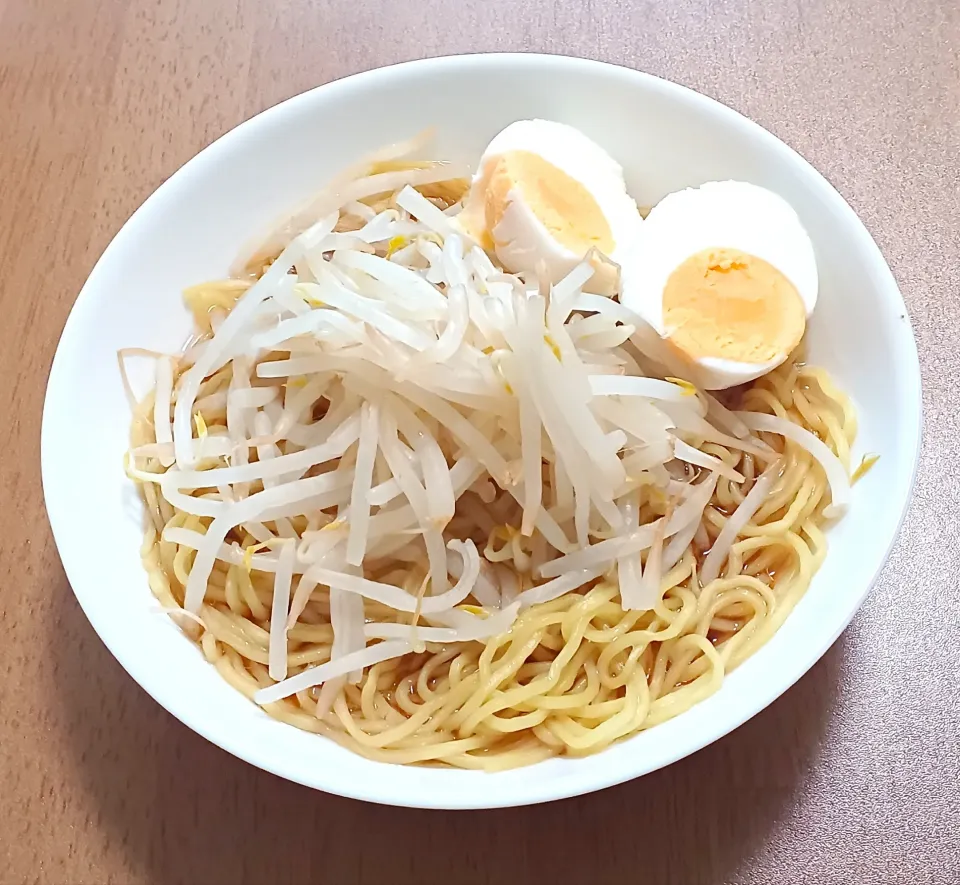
(666, 137)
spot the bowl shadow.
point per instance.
(187, 812)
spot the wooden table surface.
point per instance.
(853, 776)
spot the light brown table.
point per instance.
(853, 776)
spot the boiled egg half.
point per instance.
(726, 274)
(544, 196)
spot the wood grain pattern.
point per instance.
(851, 777)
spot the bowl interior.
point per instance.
(191, 229)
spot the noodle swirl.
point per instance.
(571, 675)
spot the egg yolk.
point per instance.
(561, 203)
(727, 304)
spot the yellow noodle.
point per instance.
(573, 675)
